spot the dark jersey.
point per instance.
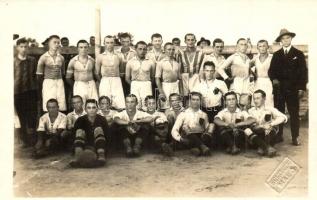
(84, 124)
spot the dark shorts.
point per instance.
(26, 108)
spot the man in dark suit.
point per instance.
(288, 72)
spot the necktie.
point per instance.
(286, 52)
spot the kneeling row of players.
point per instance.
(231, 128)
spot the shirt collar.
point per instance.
(288, 48)
(262, 107)
(49, 55)
(83, 113)
(77, 57)
(219, 56)
(236, 111)
(107, 52)
(119, 50)
(137, 58)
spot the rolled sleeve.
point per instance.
(40, 66)
(41, 126)
(177, 125)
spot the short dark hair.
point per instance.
(125, 35)
(64, 38)
(53, 37)
(149, 97)
(21, 41)
(167, 43)
(82, 41)
(52, 101)
(140, 42)
(189, 34)
(262, 41)
(132, 96)
(176, 39)
(108, 36)
(174, 95)
(196, 94)
(104, 97)
(156, 35)
(91, 101)
(78, 96)
(217, 40)
(230, 93)
(240, 39)
(209, 63)
(261, 92)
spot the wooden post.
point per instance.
(97, 31)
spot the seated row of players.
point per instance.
(92, 131)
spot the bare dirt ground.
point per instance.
(220, 175)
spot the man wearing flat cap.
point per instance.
(288, 72)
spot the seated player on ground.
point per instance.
(159, 127)
(91, 135)
(172, 112)
(267, 121)
(51, 130)
(78, 111)
(192, 127)
(105, 109)
(108, 113)
(132, 124)
(232, 123)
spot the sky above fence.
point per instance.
(229, 20)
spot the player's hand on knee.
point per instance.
(275, 82)
(64, 134)
(184, 141)
(301, 93)
(232, 126)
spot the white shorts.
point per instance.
(170, 88)
(112, 88)
(86, 89)
(241, 85)
(54, 89)
(189, 83)
(265, 84)
(141, 89)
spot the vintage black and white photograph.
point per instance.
(159, 98)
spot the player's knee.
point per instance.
(98, 132)
(80, 134)
(211, 128)
(99, 135)
(248, 131)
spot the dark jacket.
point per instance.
(290, 70)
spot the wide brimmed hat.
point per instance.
(283, 32)
(203, 40)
